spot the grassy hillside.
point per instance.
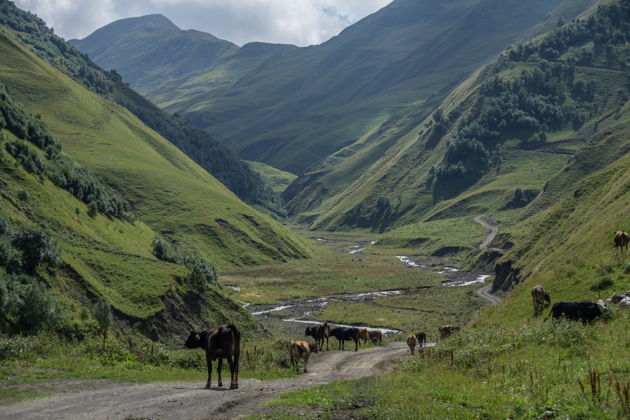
(292, 107)
(197, 144)
(164, 186)
(277, 179)
(489, 149)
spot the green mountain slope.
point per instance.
(168, 191)
(296, 107)
(509, 127)
(208, 153)
(68, 240)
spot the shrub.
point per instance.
(602, 284)
(103, 315)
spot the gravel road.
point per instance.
(108, 400)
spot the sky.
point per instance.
(299, 22)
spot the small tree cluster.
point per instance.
(201, 272)
(43, 157)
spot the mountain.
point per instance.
(162, 51)
(510, 126)
(293, 107)
(118, 197)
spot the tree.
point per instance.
(104, 317)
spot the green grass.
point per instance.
(325, 275)
(277, 179)
(493, 373)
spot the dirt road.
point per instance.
(494, 229)
(485, 294)
(190, 401)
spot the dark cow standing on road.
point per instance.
(219, 343)
(422, 339)
(584, 311)
(319, 333)
(343, 333)
(621, 240)
(540, 299)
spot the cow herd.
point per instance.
(301, 350)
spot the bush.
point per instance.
(602, 284)
(103, 315)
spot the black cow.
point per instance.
(422, 339)
(219, 343)
(343, 333)
(584, 311)
(319, 333)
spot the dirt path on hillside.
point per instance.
(494, 229)
(191, 401)
(485, 294)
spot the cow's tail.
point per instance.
(550, 312)
(237, 341)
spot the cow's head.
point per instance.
(601, 304)
(309, 331)
(547, 298)
(313, 346)
(193, 341)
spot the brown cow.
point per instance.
(447, 330)
(376, 337)
(219, 343)
(364, 335)
(621, 240)
(540, 299)
(411, 342)
(301, 350)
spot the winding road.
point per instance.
(178, 401)
(484, 292)
(494, 229)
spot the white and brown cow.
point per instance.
(540, 299)
(301, 350)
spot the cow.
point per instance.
(621, 240)
(411, 342)
(344, 333)
(422, 339)
(540, 299)
(301, 350)
(447, 330)
(220, 343)
(364, 335)
(376, 337)
(584, 310)
(319, 333)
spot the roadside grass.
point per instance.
(327, 274)
(538, 370)
(25, 361)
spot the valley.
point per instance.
(431, 165)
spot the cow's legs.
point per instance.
(233, 382)
(236, 357)
(327, 344)
(209, 362)
(356, 344)
(305, 360)
(219, 369)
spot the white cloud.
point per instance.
(300, 22)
